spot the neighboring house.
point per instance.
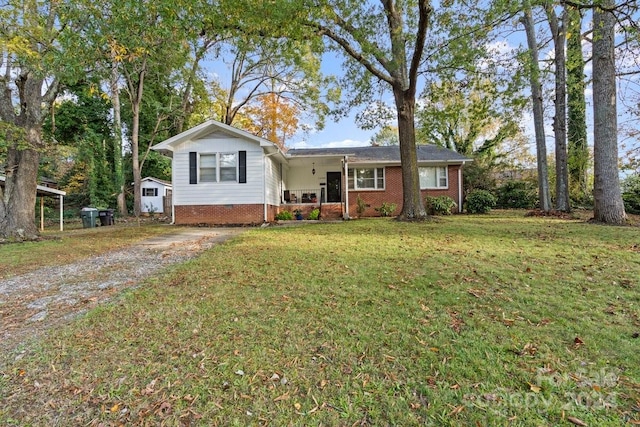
(156, 194)
(223, 175)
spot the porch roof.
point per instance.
(381, 154)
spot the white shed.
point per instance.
(154, 192)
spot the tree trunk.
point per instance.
(412, 204)
(24, 138)
(578, 150)
(135, 158)
(608, 205)
(558, 33)
(117, 141)
(538, 116)
(17, 217)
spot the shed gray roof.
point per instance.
(381, 154)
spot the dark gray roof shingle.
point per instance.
(389, 154)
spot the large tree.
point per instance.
(577, 148)
(538, 110)
(558, 26)
(608, 204)
(383, 43)
(260, 66)
(31, 62)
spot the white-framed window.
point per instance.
(228, 167)
(208, 167)
(149, 192)
(218, 167)
(434, 177)
(366, 179)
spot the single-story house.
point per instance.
(156, 194)
(223, 175)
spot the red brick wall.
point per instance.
(393, 192)
(223, 214)
(329, 210)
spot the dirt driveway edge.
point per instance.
(32, 303)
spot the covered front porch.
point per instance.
(314, 182)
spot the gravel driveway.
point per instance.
(32, 303)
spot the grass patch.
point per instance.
(491, 320)
(62, 247)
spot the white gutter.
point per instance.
(264, 182)
(346, 187)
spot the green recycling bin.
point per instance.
(89, 216)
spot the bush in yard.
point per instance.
(440, 205)
(480, 201)
(631, 194)
(516, 195)
(284, 216)
(361, 206)
(314, 214)
(386, 209)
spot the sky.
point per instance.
(346, 133)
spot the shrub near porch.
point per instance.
(469, 320)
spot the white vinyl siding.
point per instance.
(433, 177)
(218, 193)
(272, 175)
(366, 179)
(152, 196)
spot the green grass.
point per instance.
(62, 247)
(471, 320)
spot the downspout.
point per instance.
(460, 188)
(173, 202)
(264, 183)
(346, 187)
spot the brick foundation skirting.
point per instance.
(223, 214)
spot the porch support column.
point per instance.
(41, 213)
(61, 213)
(346, 187)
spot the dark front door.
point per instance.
(334, 187)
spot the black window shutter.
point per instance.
(242, 167)
(193, 167)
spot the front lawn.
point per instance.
(469, 320)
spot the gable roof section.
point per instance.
(167, 146)
(382, 154)
(159, 181)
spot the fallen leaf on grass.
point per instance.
(578, 341)
(457, 410)
(534, 388)
(475, 292)
(282, 397)
(576, 421)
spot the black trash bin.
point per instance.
(89, 216)
(106, 217)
